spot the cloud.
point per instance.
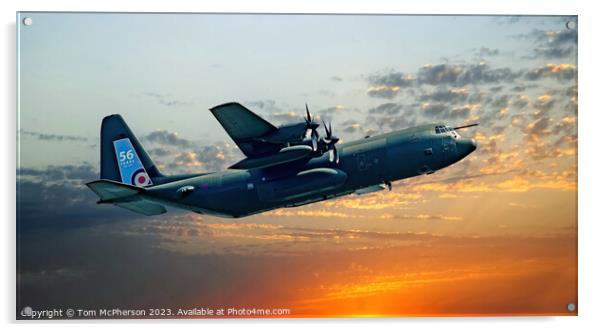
(507, 19)
(308, 213)
(167, 100)
(164, 137)
(518, 183)
(496, 89)
(351, 126)
(160, 152)
(383, 91)
(326, 92)
(566, 125)
(58, 268)
(500, 101)
(179, 155)
(488, 144)
(392, 115)
(210, 158)
(363, 268)
(462, 112)
(84, 172)
(554, 52)
(544, 125)
(552, 44)
(462, 75)
(487, 52)
(267, 106)
(271, 111)
(285, 117)
(520, 102)
(438, 110)
(538, 128)
(523, 183)
(561, 72)
(440, 74)
(185, 160)
(420, 217)
(388, 85)
(434, 109)
(503, 162)
(387, 108)
(332, 113)
(543, 105)
(53, 137)
(446, 95)
(379, 201)
(46, 202)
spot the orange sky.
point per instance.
(483, 252)
(503, 243)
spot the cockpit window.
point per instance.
(446, 129)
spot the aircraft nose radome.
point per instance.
(466, 146)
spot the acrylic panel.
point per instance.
(181, 165)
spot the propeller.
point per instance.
(311, 125)
(329, 139)
(331, 142)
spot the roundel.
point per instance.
(140, 178)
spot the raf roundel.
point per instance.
(140, 178)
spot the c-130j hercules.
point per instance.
(285, 166)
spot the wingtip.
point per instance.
(224, 105)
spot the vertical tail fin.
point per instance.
(122, 158)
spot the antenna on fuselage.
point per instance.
(466, 126)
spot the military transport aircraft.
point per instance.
(285, 166)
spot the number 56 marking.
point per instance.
(123, 155)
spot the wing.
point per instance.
(287, 155)
(246, 129)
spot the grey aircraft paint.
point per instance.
(284, 176)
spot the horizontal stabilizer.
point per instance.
(125, 196)
(143, 207)
(109, 190)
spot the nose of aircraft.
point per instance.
(465, 146)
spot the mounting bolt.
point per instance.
(571, 307)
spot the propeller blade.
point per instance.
(314, 140)
(333, 139)
(308, 118)
(335, 154)
(326, 129)
(466, 126)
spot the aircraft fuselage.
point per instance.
(364, 166)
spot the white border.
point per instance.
(589, 155)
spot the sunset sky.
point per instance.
(494, 234)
